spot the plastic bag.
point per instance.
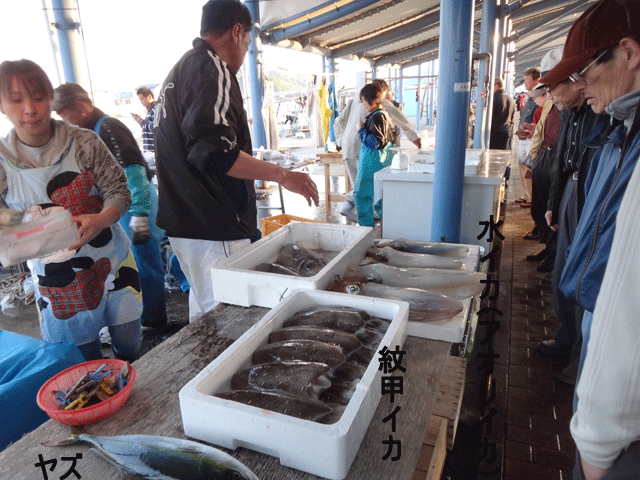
(44, 232)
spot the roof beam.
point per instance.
(420, 49)
(515, 6)
(532, 27)
(319, 21)
(561, 31)
(398, 33)
(540, 8)
(420, 60)
(350, 20)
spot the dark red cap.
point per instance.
(601, 26)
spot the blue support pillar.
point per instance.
(454, 78)
(67, 27)
(485, 76)
(255, 76)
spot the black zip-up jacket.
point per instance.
(201, 126)
(119, 140)
(584, 152)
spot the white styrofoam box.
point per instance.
(450, 330)
(324, 450)
(236, 281)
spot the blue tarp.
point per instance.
(26, 363)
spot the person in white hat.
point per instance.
(543, 145)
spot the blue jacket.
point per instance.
(606, 183)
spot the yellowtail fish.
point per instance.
(164, 458)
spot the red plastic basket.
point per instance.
(66, 379)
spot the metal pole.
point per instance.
(69, 40)
(500, 48)
(432, 93)
(400, 99)
(487, 36)
(454, 77)
(332, 84)
(418, 91)
(255, 75)
(54, 49)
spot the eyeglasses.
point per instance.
(579, 76)
(551, 88)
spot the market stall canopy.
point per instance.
(406, 32)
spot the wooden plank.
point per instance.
(450, 394)
(154, 407)
(439, 449)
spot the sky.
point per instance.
(128, 42)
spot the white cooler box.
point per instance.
(236, 281)
(425, 163)
(324, 450)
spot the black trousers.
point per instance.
(500, 140)
(540, 183)
(569, 314)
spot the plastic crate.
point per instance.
(271, 224)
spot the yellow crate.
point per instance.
(271, 224)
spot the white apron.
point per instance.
(99, 286)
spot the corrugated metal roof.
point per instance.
(406, 32)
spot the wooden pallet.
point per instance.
(442, 426)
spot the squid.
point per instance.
(452, 283)
(401, 259)
(424, 305)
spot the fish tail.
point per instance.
(62, 443)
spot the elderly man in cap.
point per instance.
(602, 54)
(563, 208)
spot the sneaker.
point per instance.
(349, 211)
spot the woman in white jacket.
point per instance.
(346, 131)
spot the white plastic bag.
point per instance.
(43, 232)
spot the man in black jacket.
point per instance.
(504, 108)
(207, 201)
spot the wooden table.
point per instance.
(328, 159)
(154, 409)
